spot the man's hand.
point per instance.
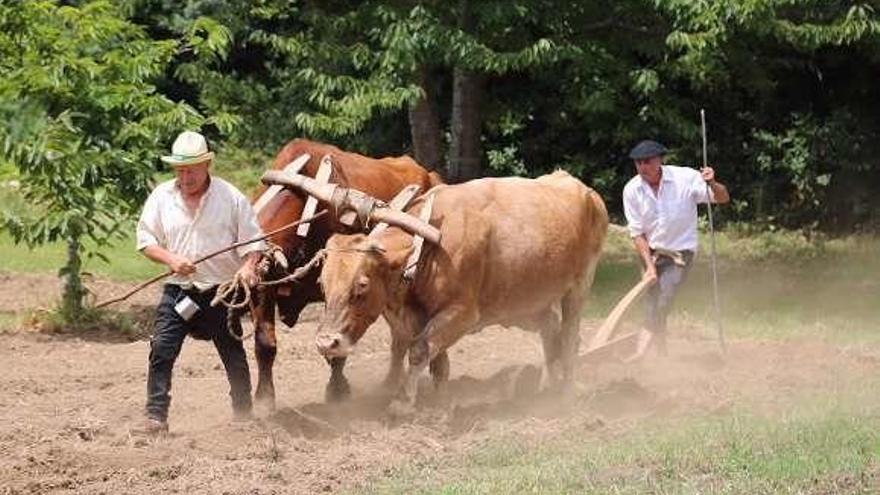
(248, 274)
(181, 265)
(708, 174)
(650, 273)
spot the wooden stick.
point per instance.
(717, 301)
(159, 277)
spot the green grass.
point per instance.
(124, 263)
(826, 447)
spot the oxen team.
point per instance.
(511, 251)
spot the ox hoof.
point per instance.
(526, 382)
(264, 404)
(337, 391)
(391, 383)
(401, 409)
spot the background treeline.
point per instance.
(485, 87)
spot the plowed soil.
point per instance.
(70, 404)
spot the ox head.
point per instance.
(359, 278)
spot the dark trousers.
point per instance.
(171, 330)
(659, 298)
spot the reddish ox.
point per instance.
(513, 252)
(381, 178)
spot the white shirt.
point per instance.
(224, 217)
(668, 219)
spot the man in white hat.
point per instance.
(660, 204)
(183, 219)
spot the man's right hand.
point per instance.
(181, 265)
(650, 273)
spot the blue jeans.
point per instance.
(659, 298)
(171, 330)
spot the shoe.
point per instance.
(153, 427)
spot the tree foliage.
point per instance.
(82, 121)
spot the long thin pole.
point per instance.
(712, 236)
(159, 277)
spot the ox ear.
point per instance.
(394, 259)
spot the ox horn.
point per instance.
(343, 199)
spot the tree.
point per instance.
(526, 86)
(83, 122)
(329, 69)
(792, 79)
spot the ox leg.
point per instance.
(443, 330)
(337, 388)
(548, 326)
(265, 347)
(399, 347)
(570, 335)
(440, 370)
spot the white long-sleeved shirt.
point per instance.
(224, 217)
(668, 219)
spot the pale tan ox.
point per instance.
(513, 252)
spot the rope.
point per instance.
(235, 294)
(299, 273)
(228, 295)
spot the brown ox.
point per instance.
(513, 252)
(381, 178)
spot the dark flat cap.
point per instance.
(647, 149)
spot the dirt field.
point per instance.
(68, 405)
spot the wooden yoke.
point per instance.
(353, 204)
(412, 263)
(323, 177)
(293, 167)
(398, 203)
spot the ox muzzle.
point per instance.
(333, 344)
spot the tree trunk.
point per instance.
(465, 157)
(72, 299)
(424, 124)
(466, 154)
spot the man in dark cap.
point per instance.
(660, 204)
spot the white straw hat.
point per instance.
(189, 148)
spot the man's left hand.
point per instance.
(248, 275)
(708, 174)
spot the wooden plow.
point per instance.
(604, 345)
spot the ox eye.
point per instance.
(361, 286)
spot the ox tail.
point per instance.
(598, 220)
